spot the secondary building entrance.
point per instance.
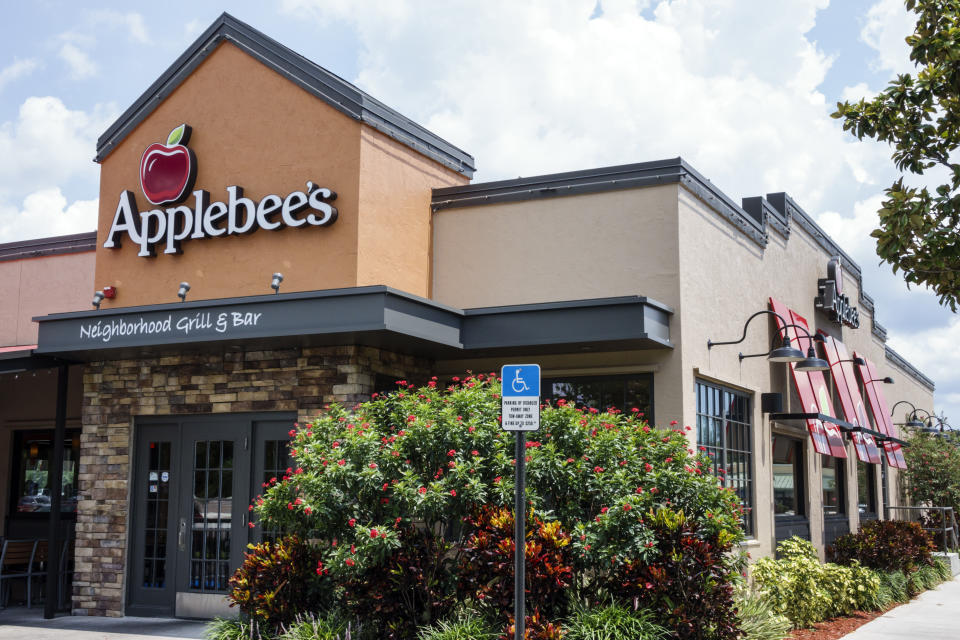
(193, 479)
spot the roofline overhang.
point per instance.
(375, 315)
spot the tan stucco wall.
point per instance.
(665, 243)
(615, 243)
(39, 286)
(727, 277)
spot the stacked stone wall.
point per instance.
(115, 392)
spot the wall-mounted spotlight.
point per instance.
(182, 291)
(275, 282)
(97, 299)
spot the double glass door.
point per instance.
(193, 480)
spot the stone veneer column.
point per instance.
(116, 392)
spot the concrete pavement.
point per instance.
(22, 624)
(933, 615)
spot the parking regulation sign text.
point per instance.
(520, 402)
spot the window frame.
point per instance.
(18, 437)
(725, 449)
(840, 472)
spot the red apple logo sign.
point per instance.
(167, 171)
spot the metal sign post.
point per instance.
(520, 412)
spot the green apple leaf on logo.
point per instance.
(176, 135)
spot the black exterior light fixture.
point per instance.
(786, 352)
(912, 421)
(886, 380)
(810, 362)
(97, 299)
(275, 282)
(182, 291)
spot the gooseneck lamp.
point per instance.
(786, 352)
(887, 380)
(912, 421)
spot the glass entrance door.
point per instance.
(193, 481)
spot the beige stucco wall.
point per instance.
(727, 277)
(37, 286)
(665, 243)
(615, 243)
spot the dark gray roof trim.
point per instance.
(765, 213)
(333, 90)
(628, 176)
(360, 314)
(76, 243)
(897, 359)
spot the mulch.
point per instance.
(838, 627)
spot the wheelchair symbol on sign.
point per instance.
(518, 383)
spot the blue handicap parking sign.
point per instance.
(521, 379)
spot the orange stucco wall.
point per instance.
(394, 246)
(254, 128)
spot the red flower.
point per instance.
(453, 492)
(373, 533)
(604, 510)
(372, 465)
(451, 453)
(648, 467)
(669, 460)
(352, 521)
(335, 444)
(598, 469)
(298, 501)
(422, 490)
(307, 510)
(251, 525)
(348, 562)
(341, 462)
(293, 433)
(298, 471)
(290, 506)
(627, 507)
(497, 479)
(474, 453)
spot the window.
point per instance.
(787, 477)
(724, 431)
(866, 490)
(832, 482)
(623, 392)
(31, 466)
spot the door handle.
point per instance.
(182, 535)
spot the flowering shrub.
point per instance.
(277, 581)
(430, 459)
(806, 591)
(886, 545)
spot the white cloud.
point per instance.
(131, 23)
(932, 351)
(17, 69)
(856, 92)
(46, 213)
(48, 145)
(79, 62)
(887, 24)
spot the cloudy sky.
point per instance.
(742, 89)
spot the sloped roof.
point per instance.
(335, 91)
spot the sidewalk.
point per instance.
(930, 616)
(20, 623)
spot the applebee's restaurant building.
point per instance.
(272, 239)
